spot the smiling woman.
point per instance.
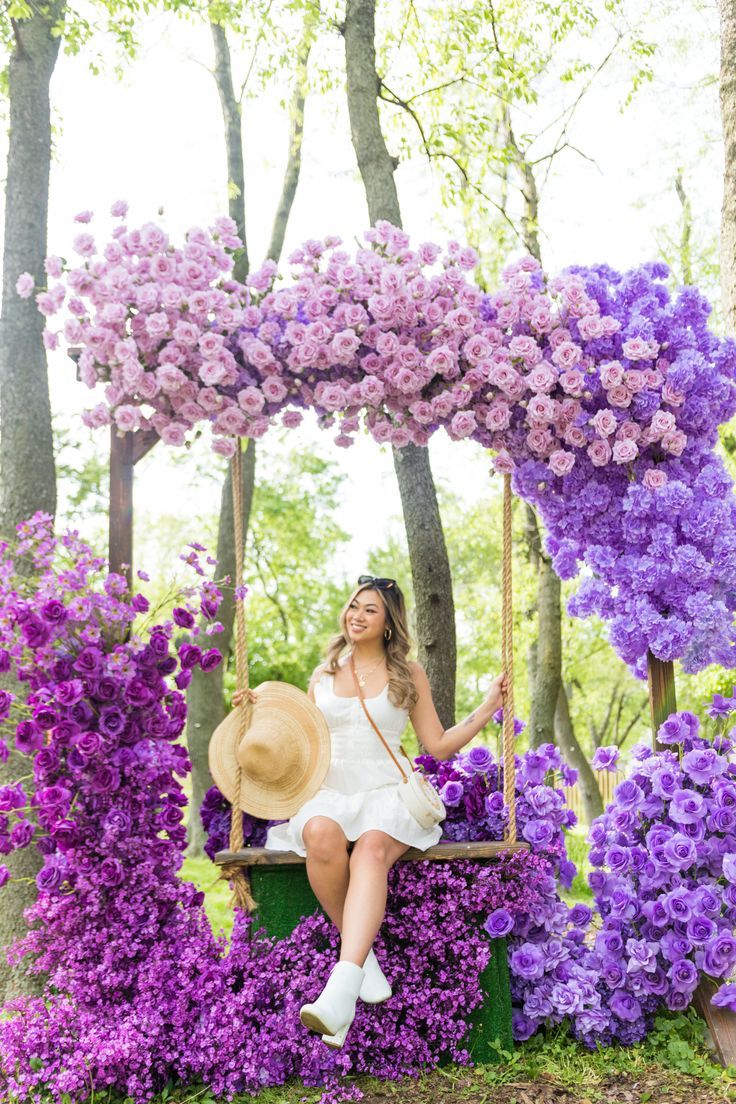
(359, 823)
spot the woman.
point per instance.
(356, 826)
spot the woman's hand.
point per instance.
(239, 695)
(497, 691)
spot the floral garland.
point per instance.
(597, 390)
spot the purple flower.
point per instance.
(182, 617)
(703, 764)
(724, 998)
(686, 806)
(478, 760)
(452, 794)
(210, 660)
(499, 923)
(606, 758)
(528, 961)
(625, 1006)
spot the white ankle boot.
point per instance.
(333, 1011)
(375, 988)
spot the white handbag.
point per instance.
(417, 792)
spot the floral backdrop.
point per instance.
(601, 394)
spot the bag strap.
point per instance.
(373, 723)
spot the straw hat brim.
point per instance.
(283, 713)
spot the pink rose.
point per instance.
(223, 446)
(671, 395)
(173, 434)
(24, 285)
(612, 374)
(211, 372)
(625, 451)
(387, 343)
(561, 462)
(372, 390)
(169, 377)
(273, 388)
(291, 418)
(542, 378)
(540, 409)
(604, 422)
(539, 441)
(441, 360)
(127, 418)
(654, 478)
(498, 416)
(635, 380)
(477, 348)
(619, 395)
(330, 395)
(399, 436)
(421, 410)
(674, 441)
(573, 382)
(662, 422)
(566, 355)
(590, 327)
(628, 431)
(575, 437)
(636, 348)
(344, 345)
(250, 399)
(84, 244)
(502, 462)
(525, 347)
(541, 318)
(442, 405)
(119, 208)
(83, 216)
(462, 425)
(600, 453)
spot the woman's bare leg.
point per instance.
(327, 865)
(365, 902)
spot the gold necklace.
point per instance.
(363, 678)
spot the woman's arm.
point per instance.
(443, 743)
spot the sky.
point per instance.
(155, 138)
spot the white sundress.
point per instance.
(361, 788)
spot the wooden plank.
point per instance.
(441, 852)
(662, 697)
(721, 1022)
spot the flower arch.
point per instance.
(599, 391)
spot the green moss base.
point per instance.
(283, 896)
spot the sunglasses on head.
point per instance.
(379, 584)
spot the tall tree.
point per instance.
(727, 11)
(430, 566)
(205, 696)
(26, 446)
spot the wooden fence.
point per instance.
(607, 782)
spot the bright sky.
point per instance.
(155, 139)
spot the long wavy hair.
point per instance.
(401, 689)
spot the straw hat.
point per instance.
(284, 754)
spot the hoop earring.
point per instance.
(387, 633)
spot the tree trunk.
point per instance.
(296, 138)
(568, 744)
(430, 565)
(728, 119)
(205, 700)
(232, 118)
(546, 672)
(26, 444)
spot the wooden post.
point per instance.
(662, 699)
(126, 449)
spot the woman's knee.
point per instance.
(324, 839)
(374, 847)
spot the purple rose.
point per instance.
(111, 872)
(4, 876)
(54, 612)
(686, 806)
(703, 764)
(183, 617)
(499, 923)
(729, 867)
(625, 1006)
(606, 758)
(724, 998)
(210, 660)
(36, 633)
(28, 737)
(720, 956)
(159, 645)
(478, 760)
(673, 730)
(452, 794)
(538, 832)
(52, 874)
(65, 834)
(69, 692)
(183, 678)
(527, 961)
(89, 661)
(189, 655)
(627, 794)
(21, 833)
(112, 720)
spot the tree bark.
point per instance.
(205, 700)
(26, 444)
(728, 118)
(430, 565)
(568, 744)
(232, 119)
(546, 672)
(296, 138)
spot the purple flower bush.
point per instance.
(597, 390)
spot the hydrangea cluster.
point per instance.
(215, 813)
(597, 390)
(665, 877)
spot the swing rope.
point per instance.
(233, 872)
(507, 659)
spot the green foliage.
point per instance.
(295, 593)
